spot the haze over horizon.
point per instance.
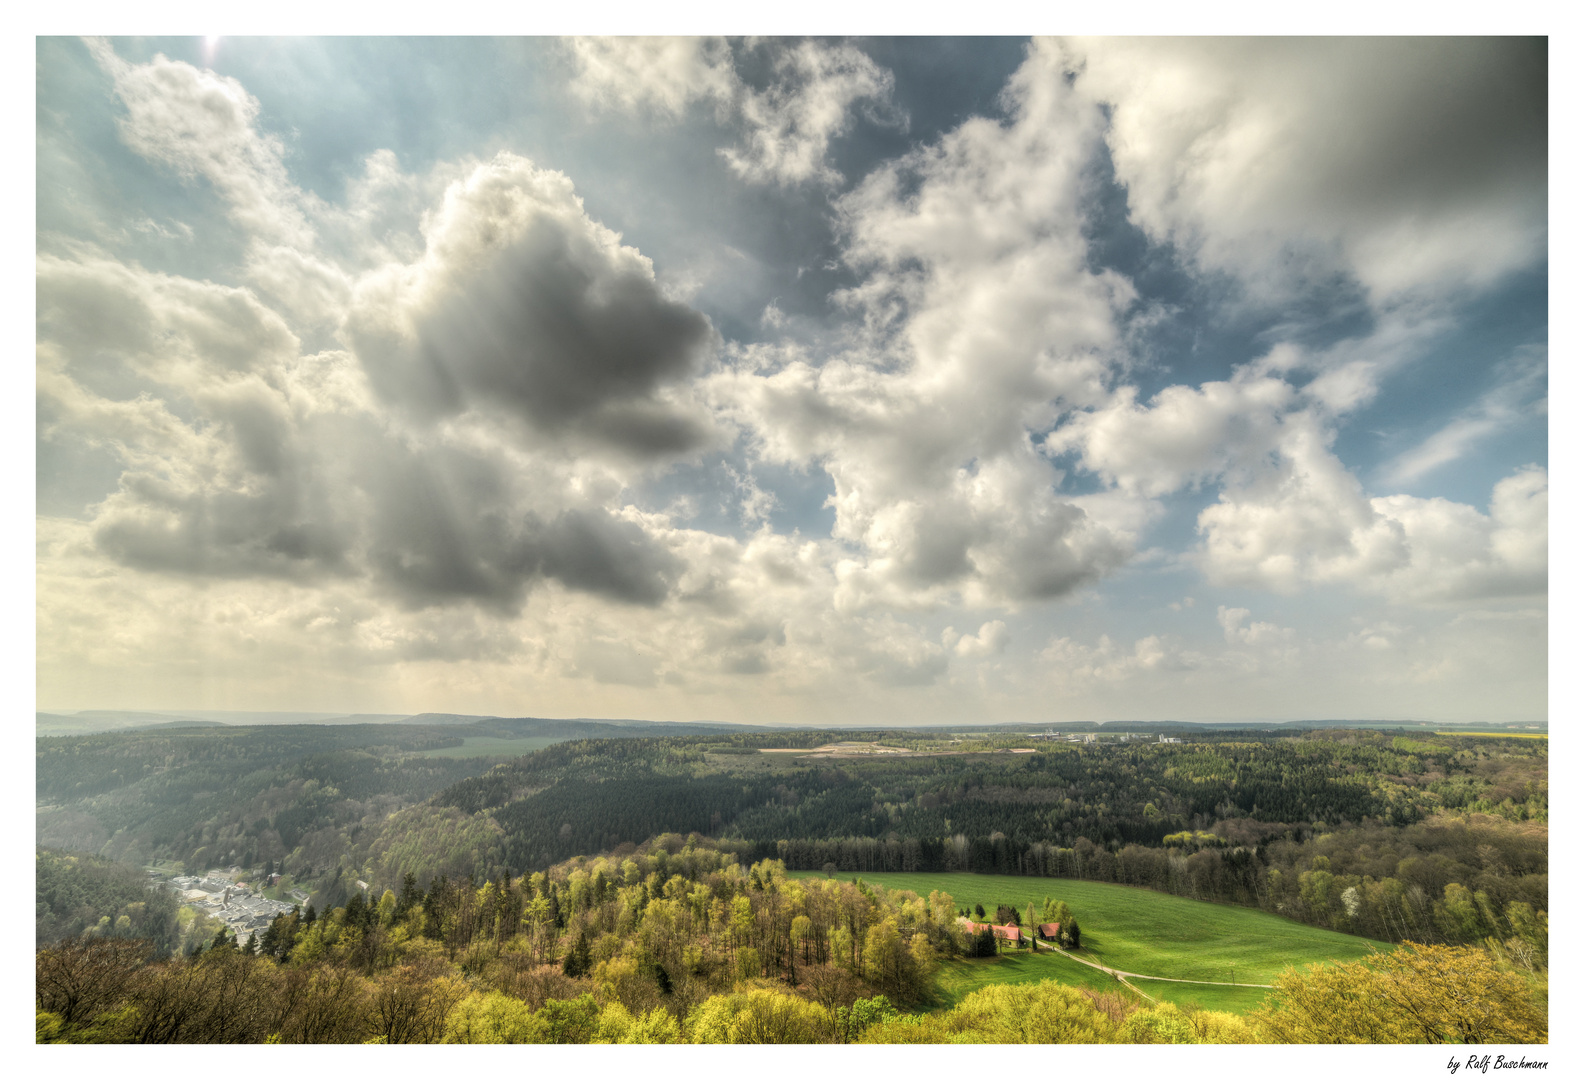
(242, 717)
(794, 381)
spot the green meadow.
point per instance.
(1232, 999)
(1140, 931)
(492, 746)
(959, 978)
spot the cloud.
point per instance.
(991, 639)
(111, 317)
(1258, 633)
(1516, 400)
(785, 129)
(1305, 520)
(660, 74)
(1184, 435)
(412, 443)
(756, 503)
(1416, 165)
(522, 305)
(791, 124)
(244, 458)
(983, 321)
(1302, 520)
(312, 292)
(1459, 554)
(1071, 662)
(201, 124)
(612, 661)
(199, 390)
(447, 526)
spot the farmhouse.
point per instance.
(1048, 931)
(1008, 932)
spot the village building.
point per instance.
(1008, 932)
(242, 911)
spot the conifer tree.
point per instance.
(409, 894)
(577, 964)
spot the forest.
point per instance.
(486, 878)
(1375, 833)
(678, 941)
(201, 793)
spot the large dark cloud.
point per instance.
(524, 306)
(444, 530)
(433, 526)
(264, 497)
(155, 524)
(243, 458)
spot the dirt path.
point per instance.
(1123, 976)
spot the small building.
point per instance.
(1009, 932)
(1049, 931)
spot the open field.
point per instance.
(1499, 734)
(1232, 999)
(959, 978)
(492, 746)
(1150, 933)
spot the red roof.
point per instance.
(1010, 932)
(1050, 929)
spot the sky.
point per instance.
(880, 381)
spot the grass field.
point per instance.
(491, 746)
(1232, 999)
(959, 978)
(1148, 933)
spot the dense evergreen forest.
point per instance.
(678, 941)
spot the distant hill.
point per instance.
(97, 721)
(251, 718)
(444, 718)
(181, 724)
(544, 727)
(580, 727)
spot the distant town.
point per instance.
(243, 907)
